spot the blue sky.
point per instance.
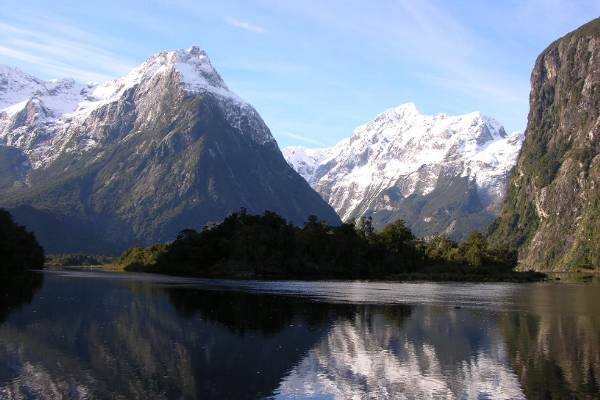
(313, 69)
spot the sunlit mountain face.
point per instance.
(78, 336)
(97, 168)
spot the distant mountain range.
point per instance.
(98, 167)
(440, 173)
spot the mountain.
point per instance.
(98, 167)
(552, 208)
(440, 173)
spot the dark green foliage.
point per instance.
(13, 166)
(586, 253)
(138, 257)
(18, 289)
(474, 252)
(68, 260)
(19, 251)
(63, 234)
(247, 246)
(517, 222)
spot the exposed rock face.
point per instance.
(440, 173)
(552, 209)
(135, 160)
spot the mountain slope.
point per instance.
(137, 159)
(440, 173)
(552, 209)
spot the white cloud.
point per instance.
(302, 138)
(54, 69)
(60, 50)
(247, 26)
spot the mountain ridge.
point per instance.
(390, 167)
(145, 156)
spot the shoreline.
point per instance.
(511, 277)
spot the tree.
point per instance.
(246, 245)
(19, 250)
(439, 247)
(474, 249)
(397, 237)
(365, 227)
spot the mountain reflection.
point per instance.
(134, 340)
(103, 338)
(435, 353)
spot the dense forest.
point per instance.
(76, 260)
(19, 250)
(267, 246)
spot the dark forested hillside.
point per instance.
(159, 154)
(19, 250)
(263, 246)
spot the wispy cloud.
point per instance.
(302, 138)
(55, 69)
(60, 50)
(425, 36)
(247, 26)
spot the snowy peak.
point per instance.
(65, 96)
(192, 67)
(304, 160)
(399, 141)
(405, 110)
(59, 96)
(403, 153)
(16, 86)
(195, 69)
(45, 118)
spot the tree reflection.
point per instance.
(17, 290)
(110, 338)
(556, 349)
(137, 340)
(278, 331)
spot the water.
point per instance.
(100, 335)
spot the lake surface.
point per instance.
(78, 335)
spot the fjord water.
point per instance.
(125, 336)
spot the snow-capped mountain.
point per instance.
(440, 173)
(42, 117)
(168, 146)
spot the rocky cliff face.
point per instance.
(552, 209)
(132, 161)
(440, 173)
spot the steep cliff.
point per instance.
(552, 208)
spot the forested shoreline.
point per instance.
(269, 247)
(19, 249)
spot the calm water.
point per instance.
(127, 336)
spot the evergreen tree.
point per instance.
(19, 249)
